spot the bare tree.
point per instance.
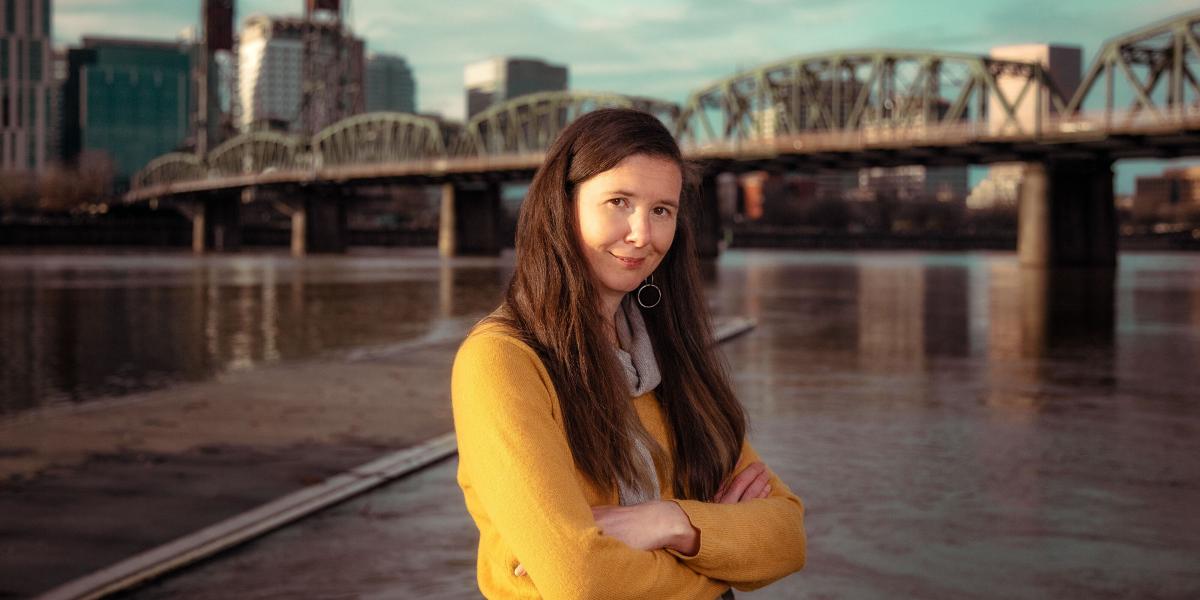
(18, 191)
(67, 189)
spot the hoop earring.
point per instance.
(652, 293)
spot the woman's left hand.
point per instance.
(646, 526)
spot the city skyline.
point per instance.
(664, 49)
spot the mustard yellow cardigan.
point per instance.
(532, 506)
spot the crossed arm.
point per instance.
(663, 525)
(516, 462)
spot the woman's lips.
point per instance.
(631, 263)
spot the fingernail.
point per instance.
(768, 488)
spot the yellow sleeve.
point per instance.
(749, 544)
(516, 458)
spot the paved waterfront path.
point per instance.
(81, 489)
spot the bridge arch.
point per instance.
(174, 167)
(863, 89)
(530, 123)
(380, 137)
(254, 153)
(1153, 65)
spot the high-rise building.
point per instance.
(26, 81)
(54, 126)
(131, 99)
(496, 80)
(1064, 65)
(913, 182)
(1172, 196)
(390, 84)
(271, 73)
(212, 68)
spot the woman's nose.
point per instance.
(639, 229)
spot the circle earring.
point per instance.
(649, 295)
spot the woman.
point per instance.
(602, 452)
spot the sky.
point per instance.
(659, 48)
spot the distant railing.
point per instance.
(304, 163)
(882, 136)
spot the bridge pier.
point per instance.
(1067, 217)
(216, 222)
(324, 220)
(318, 217)
(193, 210)
(707, 217)
(470, 219)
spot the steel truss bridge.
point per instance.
(1139, 98)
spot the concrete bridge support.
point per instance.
(706, 219)
(193, 209)
(1067, 216)
(216, 222)
(470, 219)
(324, 219)
(318, 217)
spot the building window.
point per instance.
(10, 16)
(46, 18)
(3, 58)
(31, 150)
(35, 60)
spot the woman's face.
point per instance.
(627, 218)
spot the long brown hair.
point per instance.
(551, 304)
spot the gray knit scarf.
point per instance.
(636, 355)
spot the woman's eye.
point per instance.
(662, 211)
(619, 201)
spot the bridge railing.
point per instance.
(1055, 128)
(306, 163)
(1140, 120)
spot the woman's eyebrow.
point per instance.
(626, 194)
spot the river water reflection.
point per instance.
(74, 328)
(1030, 334)
(78, 327)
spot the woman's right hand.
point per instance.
(750, 484)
